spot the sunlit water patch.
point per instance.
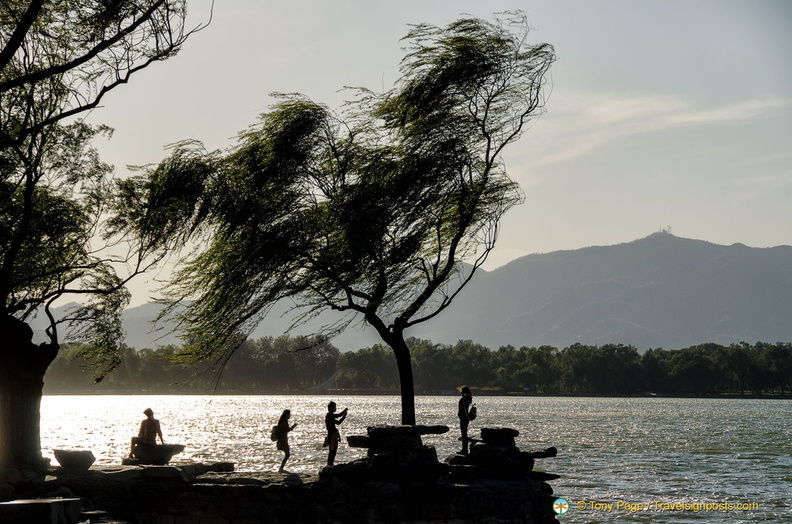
(650, 451)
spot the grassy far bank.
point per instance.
(283, 365)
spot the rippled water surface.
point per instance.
(727, 460)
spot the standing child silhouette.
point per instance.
(333, 435)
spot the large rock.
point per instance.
(74, 459)
(10, 476)
(156, 454)
(496, 456)
(6, 491)
(394, 446)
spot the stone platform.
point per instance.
(43, 510)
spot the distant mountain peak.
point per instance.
(658, 291)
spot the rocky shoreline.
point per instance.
(400, 480)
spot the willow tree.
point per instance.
(57, 61)
(369, 212)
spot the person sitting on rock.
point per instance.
(333, 435)
(149, 431)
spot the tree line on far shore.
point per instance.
(305, 365)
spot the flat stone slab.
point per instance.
(405, 431)
(541, 453)
(499, 436)
(498, 433)
(54, 510)
(164, 472)
(117, 473)
(358, 441)
(261, 478)
(542, 476)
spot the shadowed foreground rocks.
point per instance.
(404, 482)
(400, 480)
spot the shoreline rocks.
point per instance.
(404, 482)
(74, 459)
(399, 480)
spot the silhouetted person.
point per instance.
(283, 437)
(149, 431)
(465, 416)
(333, 435)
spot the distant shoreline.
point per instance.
(339, 392)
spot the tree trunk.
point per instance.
(406, 384)
(22, 368)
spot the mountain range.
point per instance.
(659, 291)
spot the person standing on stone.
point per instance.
(148, 433)
(466, 413)
(283, 437)
(333, 435)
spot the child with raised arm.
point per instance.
(333, 435)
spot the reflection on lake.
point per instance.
(634, 450)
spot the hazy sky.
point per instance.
(661, 113)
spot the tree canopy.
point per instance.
(58, 60)
(370, 211)
(275, 365)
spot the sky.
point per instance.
(661, 114)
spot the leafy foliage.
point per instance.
(266, 364)
(58, 60)
(370, 212)
(280, 364)
(580, 369)
(52, 204)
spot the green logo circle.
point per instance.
(560, 506)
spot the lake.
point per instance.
(620, 459)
